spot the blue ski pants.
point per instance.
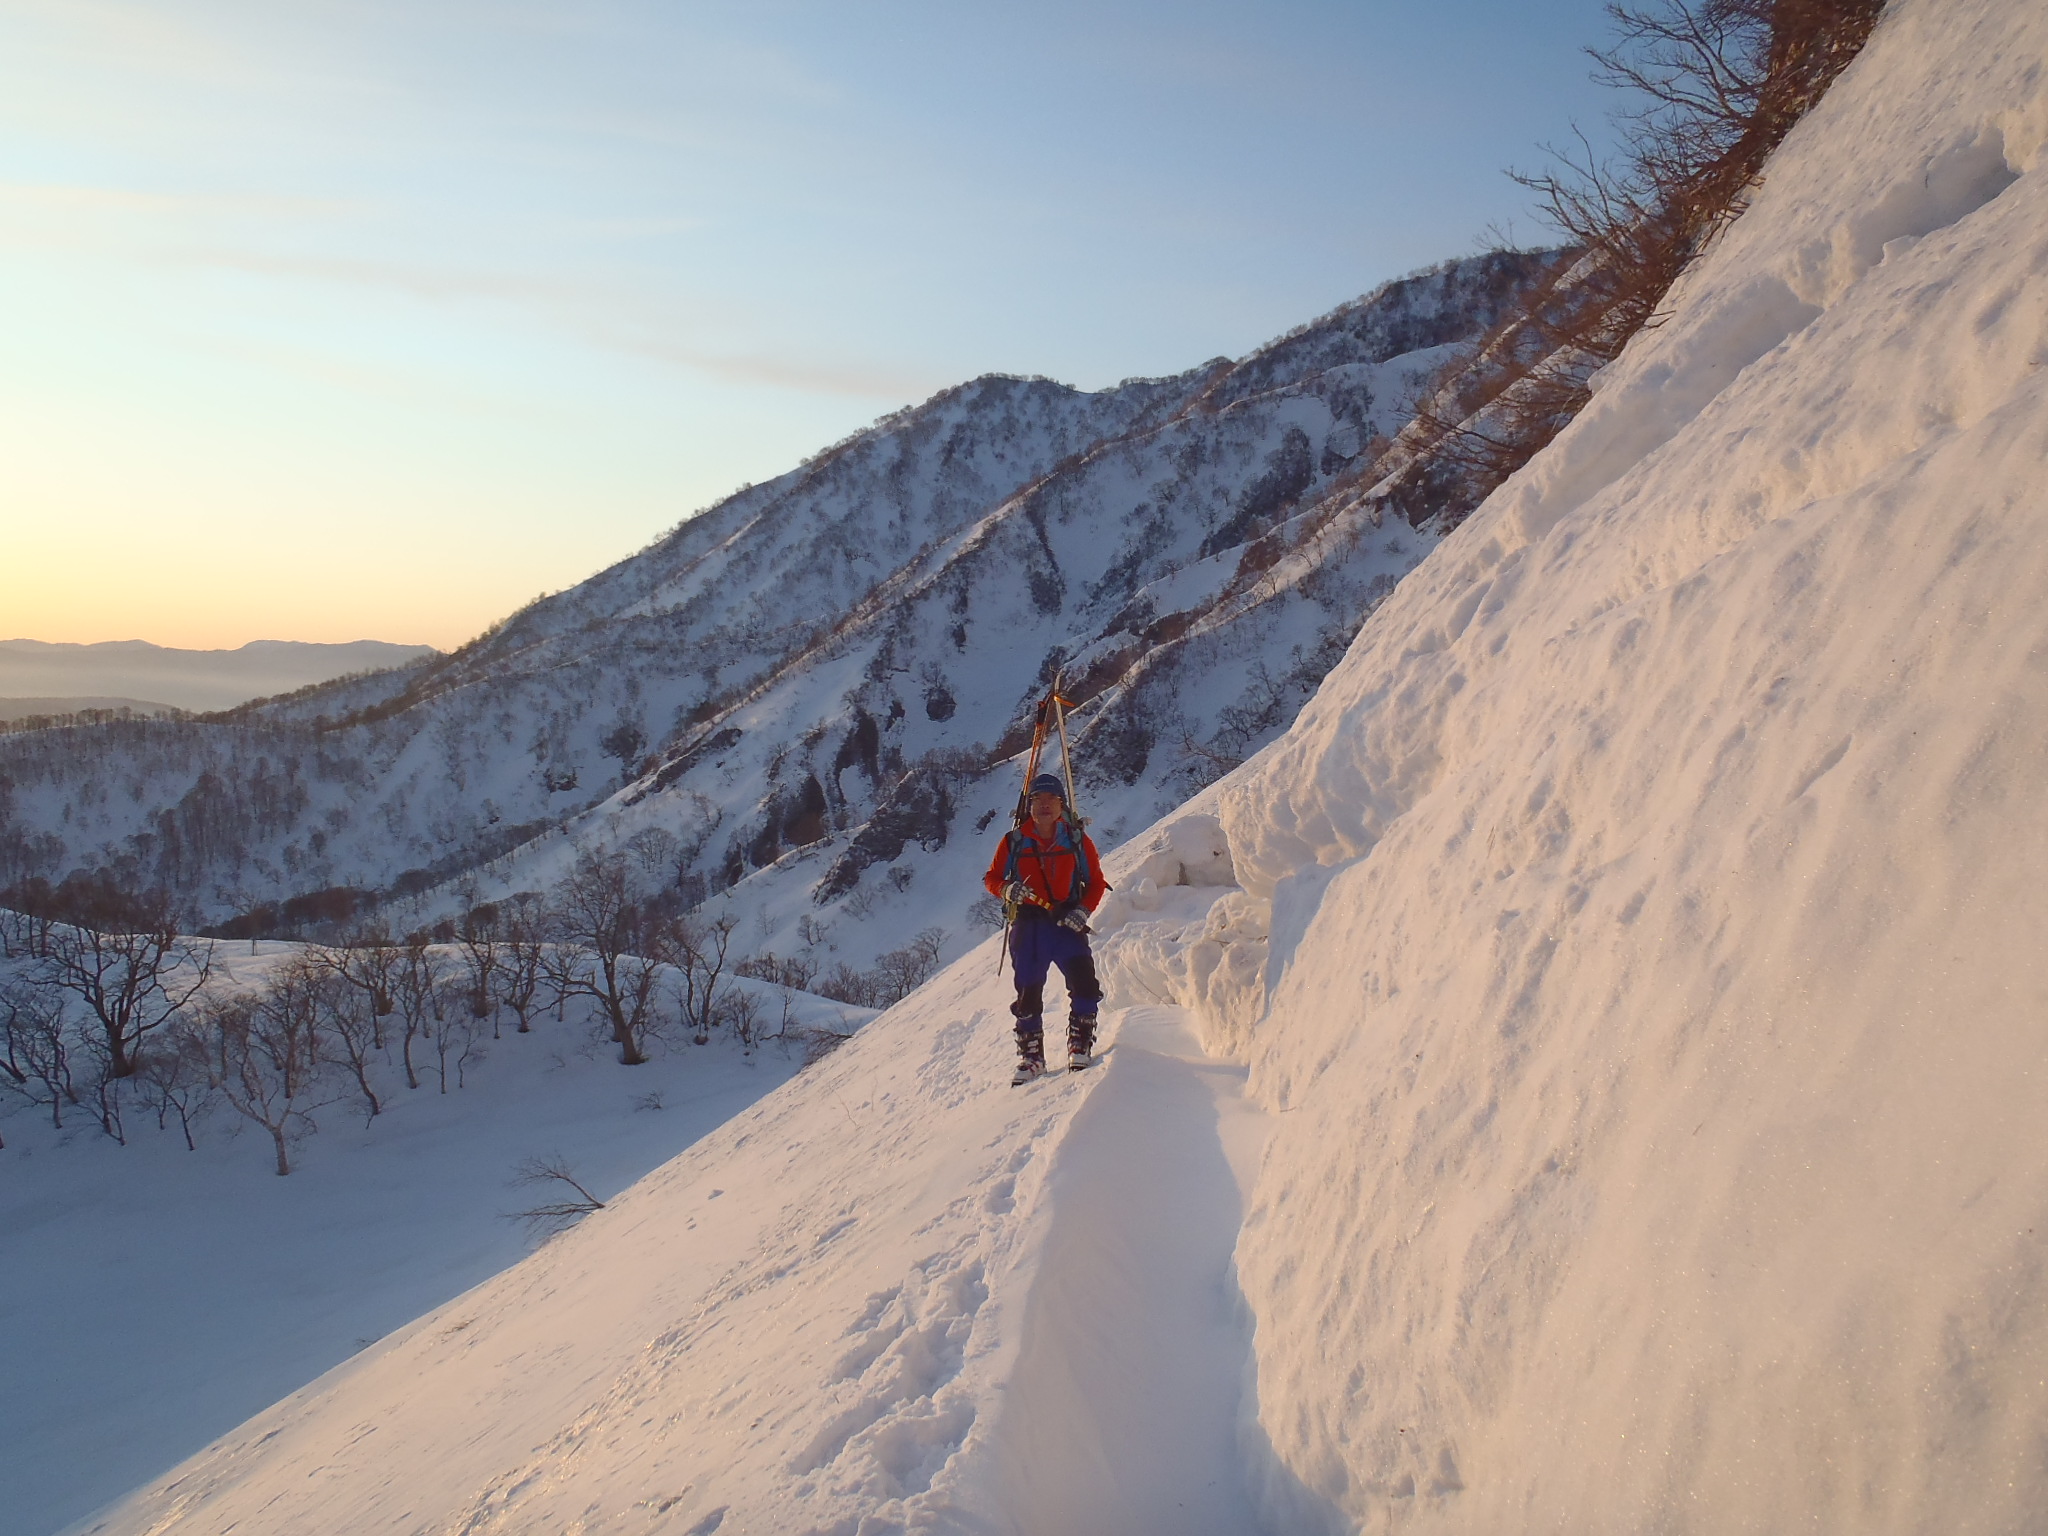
(1037, 944)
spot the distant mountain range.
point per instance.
(48, 707)
(36, 674)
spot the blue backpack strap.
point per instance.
(1084, 873)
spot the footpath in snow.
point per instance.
(1122, 1409)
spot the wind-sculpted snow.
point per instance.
(1653, 994)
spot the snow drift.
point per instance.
(1629, 960)
(1654, 998)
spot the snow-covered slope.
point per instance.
(1652, 1010)
(154, 1296)
(1630, 960)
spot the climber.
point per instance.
(1049, 876)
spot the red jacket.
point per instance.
(1049, 867)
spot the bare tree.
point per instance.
(655, 850)
(417, 994)
(265, 1056)
(35, 1051)
(797, 971)
(455, 1034)
(367, 962)
(106, 1089)
(477, 941)
(742, 1010)
(902, 971)
(1714, 86)
(132, 980)
(25, 930)
(607, 959)
(351, 1035)
(697, 946)
(522, 961)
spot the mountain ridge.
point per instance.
(850, 598)
(192, 680)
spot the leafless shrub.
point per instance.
(176, 1076)
(902, 971)
(893, 977)
(796, 972)
(553, 1174)
(36, 1050)
(741, 1013)
(845, 984)
(816, 1041)
(1715, 86)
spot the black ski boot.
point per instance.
(1030, 1057)
(1080, 1043)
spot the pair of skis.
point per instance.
(1052, 714)
(1052, 710)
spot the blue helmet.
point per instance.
(1047, 784)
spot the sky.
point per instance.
(345, 319)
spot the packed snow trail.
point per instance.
(1121, 1414)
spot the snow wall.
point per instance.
(1656, 1009)
(1631, 961)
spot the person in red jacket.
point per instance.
(1047, 871)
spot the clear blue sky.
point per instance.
(355, 318)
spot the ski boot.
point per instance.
(1030, 1057)
(1080, 1044)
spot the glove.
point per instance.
(1071, 916)
(1017, 893)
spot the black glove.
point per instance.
(1070, 915)
(1019, 894)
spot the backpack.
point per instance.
(1085, 875)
